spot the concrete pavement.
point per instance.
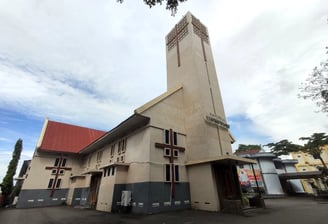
(283, 210)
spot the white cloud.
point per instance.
(93, 63)
(266, 63)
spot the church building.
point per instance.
(174, 152)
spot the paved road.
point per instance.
(278, 211)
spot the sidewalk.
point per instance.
(282, 210)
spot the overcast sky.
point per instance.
(91, 63)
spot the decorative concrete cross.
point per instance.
(58, 168)
(171, 147)
(201, 31)
(177, 34)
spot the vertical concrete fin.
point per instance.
(42, 133)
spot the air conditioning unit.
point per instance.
(126, 198)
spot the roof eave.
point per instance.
(237, 160)
(131, 124)
(57, 151)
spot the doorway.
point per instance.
(94, 188)
(227, 182)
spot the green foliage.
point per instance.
(283, 147)
(315, 144)
(7, 183)
(16, 191)
(170, 4)
(242, 147)
(316, 86)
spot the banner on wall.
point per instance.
(247, 178)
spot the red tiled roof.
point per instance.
(61, 137)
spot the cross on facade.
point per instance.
(59, 165)
(201, 31)
(177, 34)
(171, 147)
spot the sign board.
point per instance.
(217, 120)
(247, 178)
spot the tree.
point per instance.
(283, 147)
(7, 183)
(245, 148)
(316, 86)
(170, 4)
(314, 146)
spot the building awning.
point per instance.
(115, 164)
(92, 171)
(77, 176)
(258, 155)
(301, 175)
(227, 159)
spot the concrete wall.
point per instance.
(270, 176)
(79, 196)
(145, 170)
(306, 162)
(41, 197)
(168, 113)
(153, 197)
(77, 191)
(295, 184)
(203, 189)
(38, 176)
(35, 191)
(201, 95)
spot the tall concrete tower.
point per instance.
(190, 63)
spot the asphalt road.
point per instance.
(281, 211)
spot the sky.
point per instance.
(91, 63)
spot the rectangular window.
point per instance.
(175, 153)
(99, 156)
(167, 172)
(89, 161)
(112, 150)
(167, 152)
(56, 162)
(176, 173)
(51, 181)
(61, 172)
(64, 162)
(58, 183)
(109, 170)
(113, 170)
(175, 138)
(105, 171)
(167, 137)
(121, 146)
(53, 172)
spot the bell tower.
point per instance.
(190, 63)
